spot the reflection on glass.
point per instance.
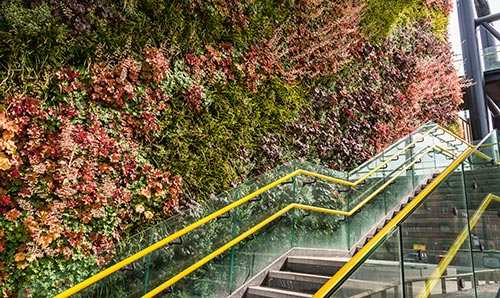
(485, 227)
(491, 58)
(437, 259)
(379, 275)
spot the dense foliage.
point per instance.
(115, 113)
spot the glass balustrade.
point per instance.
(305, 228)
(380, 184)
(447, 247)
(491, 58)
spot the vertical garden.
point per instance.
(114, 114)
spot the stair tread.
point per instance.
(298, 276)
(298, 259)
(272, 292)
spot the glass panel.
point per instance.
(311, 230)
(146, 273)
(488, 154)
(399, 185)
(234, 268)
(393, 150)
(398, 173)
(437, 258)
(491, 58)
(444, 139)
(379, 275)
(479, 183)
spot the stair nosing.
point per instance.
(278, 291)
(279, 274)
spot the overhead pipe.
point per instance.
(488, 19)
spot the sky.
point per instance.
(454, 31)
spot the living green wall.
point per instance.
(116, 114)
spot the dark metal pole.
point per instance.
(472, 66)
(495, 110)
(483, 9)
(487, 41)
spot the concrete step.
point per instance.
(472, 175)
(484, 170)
(265, 292)
(459, 190)
(314, 265)
(470, 184)
(456, 200)
(495, 171)
(261, 278)
(353, 287)
(294, 281)
(452, 197)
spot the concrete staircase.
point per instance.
(302, 276)
(301, 272)
(298, 273)
(390, 215)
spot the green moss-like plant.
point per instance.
(382, 17)
(213, 149)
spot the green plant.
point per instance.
(114, 115)
(384, 17)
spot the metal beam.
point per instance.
(487, 40)
(472, 65)
(488, 19)
(495, 110)
(492, 30)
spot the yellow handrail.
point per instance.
(273, 217)
(237, 240)
(452, 252)
(363, 253)
(110, 270)
(479, 153)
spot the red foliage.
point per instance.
(68, 80)
(155, 66)
(215, 64)
(85, 168)
(12, 214)
(5, 201)
(445, 6)
(234, 10)
(114, 86)
(322, 42)
(8, 130)
(193, 97)
(394, 89)
(435, 90)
